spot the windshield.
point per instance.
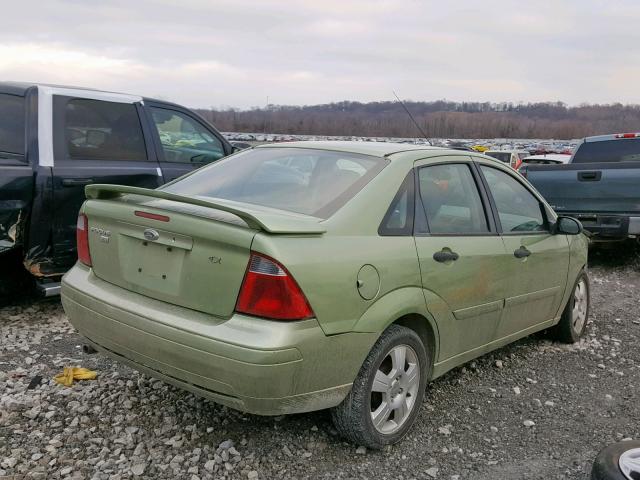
(619, 150)
(312, 182)
(502, 156)
(11, 124)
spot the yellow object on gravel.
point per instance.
(69, 374)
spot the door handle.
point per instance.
(521, 252)
(72, 182)
(445, 256)
(590, 176)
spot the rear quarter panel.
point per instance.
(326, 266)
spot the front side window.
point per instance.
(451, 200)
(11, 124)
(183, 139)
(312, 182)
(99, 130)
(518, 209)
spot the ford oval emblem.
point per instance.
(151, 235)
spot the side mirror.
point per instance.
(568, 226)
(237, 146)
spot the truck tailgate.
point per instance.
(589, 187)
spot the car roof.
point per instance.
(376, 149)
(20, 88)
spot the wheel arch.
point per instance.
(424, 329)
(406, 307)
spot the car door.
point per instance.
(184, 142)
(539, 260)
(94, 141)
(462, 258)
(16, 175)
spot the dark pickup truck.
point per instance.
(600, 185)
(55, 140)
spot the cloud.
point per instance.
(238, 52)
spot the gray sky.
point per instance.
(236, 53)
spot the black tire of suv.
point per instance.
(352, 418)
(565, 331)
(606, 465)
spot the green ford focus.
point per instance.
(311, 275)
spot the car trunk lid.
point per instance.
(185, 251)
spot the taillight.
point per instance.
(269, 291)
(627, 135)
(82, 239)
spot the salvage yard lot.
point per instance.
(127, 425)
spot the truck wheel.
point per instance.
(620, 461)
(387, 393)
(573, 322)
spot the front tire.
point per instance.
(387, 393)
(575, 315)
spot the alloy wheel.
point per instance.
(394, 389)
(580, 303)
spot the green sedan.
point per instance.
(312, 275)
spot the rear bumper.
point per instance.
(258, 366)
(608, 227)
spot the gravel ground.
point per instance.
(535, 409)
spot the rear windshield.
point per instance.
(312, 182)
(502, 156)
(11, 124)
(618, 150)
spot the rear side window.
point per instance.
(398, 221)
(98, 130)
(451, 200)
(618, 150)
(518, 209)
(312, 182)
(12, 124)
(183, 139)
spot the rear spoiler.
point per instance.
(266, 221)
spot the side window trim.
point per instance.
(420, 216)
(147, 132)
(494, 208)
(408, 185)
(488, 198)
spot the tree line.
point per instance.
(438, 119)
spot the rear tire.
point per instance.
(607, 464)
(387, 393)
(573, 322)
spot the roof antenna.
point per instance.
(424, 135)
